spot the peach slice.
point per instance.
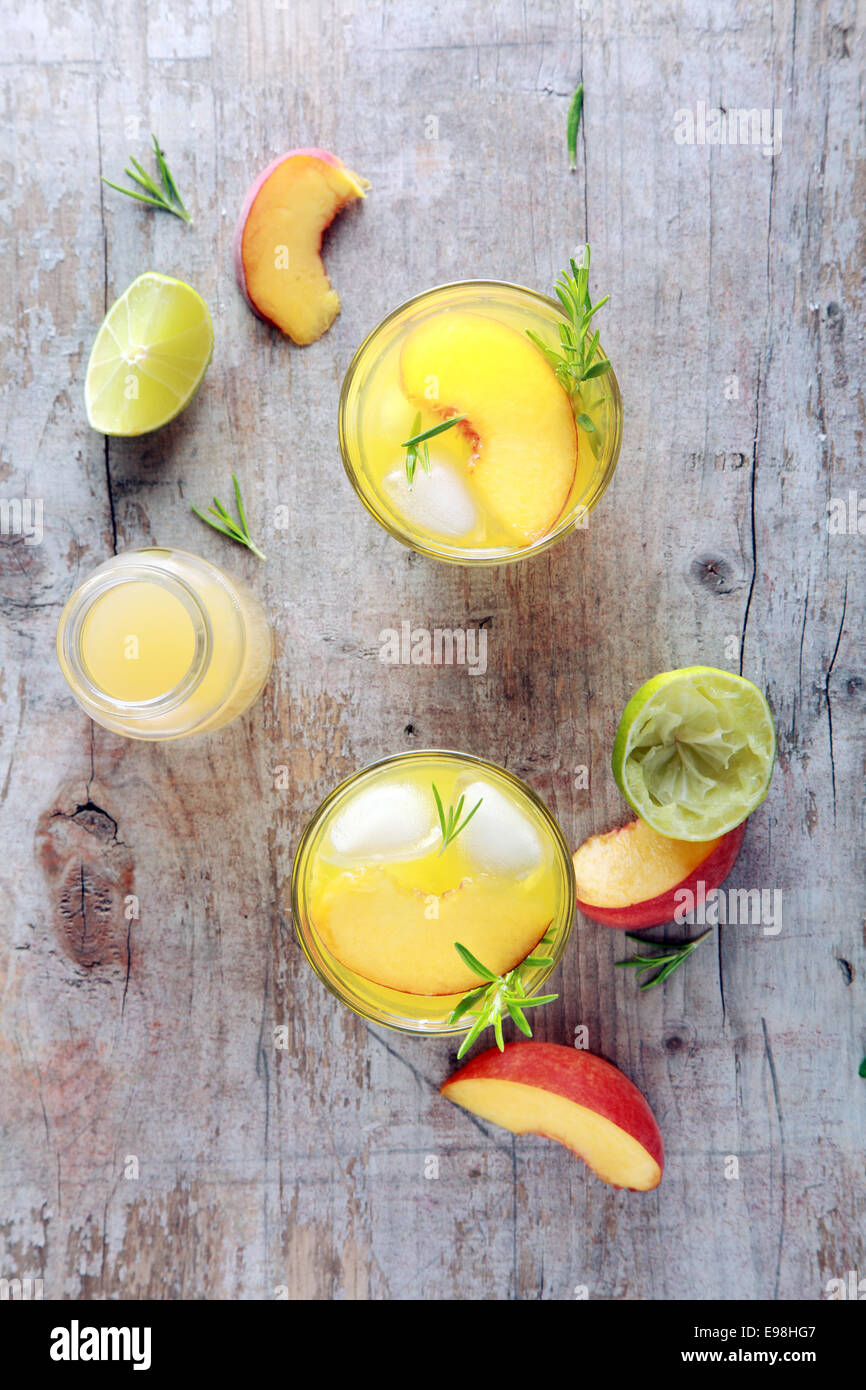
(404, 939)
(631, 877)
(518, 416)
(278, 241)
(574, 1097)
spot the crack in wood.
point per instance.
(829, 702)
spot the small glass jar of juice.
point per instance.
(524, 462)
(383, 890)
(158, 644)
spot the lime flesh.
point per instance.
(694, 752)
(149, 357)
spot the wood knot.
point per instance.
(90, 875)
(95, 821)
(714, 575)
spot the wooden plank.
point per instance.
(735, 283)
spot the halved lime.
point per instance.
(149, 357)
(694, 752)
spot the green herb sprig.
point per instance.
(574, 111)
(577, 360)
(220, 520)
(449, 821)
(500, 995)
(665, 961)
(167, 198)
(416, 454)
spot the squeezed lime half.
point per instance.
(149, 357)
(694, 752)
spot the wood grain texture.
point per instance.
(735, 325)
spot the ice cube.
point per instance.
(438, 501)
(500, 837)
(394, 820)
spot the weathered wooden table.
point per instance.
(156, 1141)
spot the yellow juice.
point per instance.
(519, 470)
(380, 900)
(137, 641)
(158, 644)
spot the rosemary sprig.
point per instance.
(665, 961)
(166, 198)
(220, 520)
(416, 455)
(449, 822)
(574, 111)
(576, 361)
(499, 995)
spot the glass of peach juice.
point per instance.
(528, 461)
(379, 899)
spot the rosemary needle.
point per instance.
(435, 429)
(574, 111)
